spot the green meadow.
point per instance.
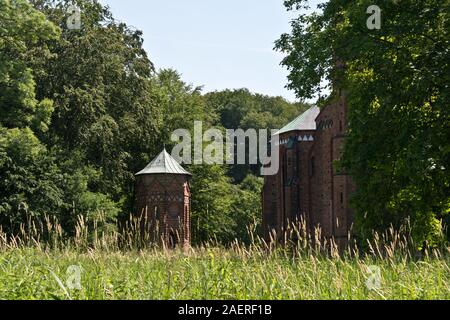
(35, 272)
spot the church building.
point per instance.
(308, 186)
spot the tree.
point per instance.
(247, 209)
(25, 168)
(180, 103)
(396, 79)
(34, 180)
(34, 185)
(106, 106)
(22, 28)
(28, 176)
(212, 204)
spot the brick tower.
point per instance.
(163, 197)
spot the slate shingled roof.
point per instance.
(163, 163)
(306, 121)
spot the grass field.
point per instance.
(214, 274)
(107, 265)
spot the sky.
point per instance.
(218, 44)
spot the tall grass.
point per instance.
(35, 264)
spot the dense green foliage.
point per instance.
(83, 110)
(397, 84)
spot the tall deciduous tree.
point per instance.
(100, 79)
(22, 29)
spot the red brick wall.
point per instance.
(286, 194)
(319, 194)
(165, 199)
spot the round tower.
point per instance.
(163, 200)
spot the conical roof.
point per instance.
(163, 163)
(306, 121)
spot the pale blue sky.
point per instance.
(217, 44)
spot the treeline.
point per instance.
(83, 110)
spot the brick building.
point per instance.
(308, 187)
(163, 198)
